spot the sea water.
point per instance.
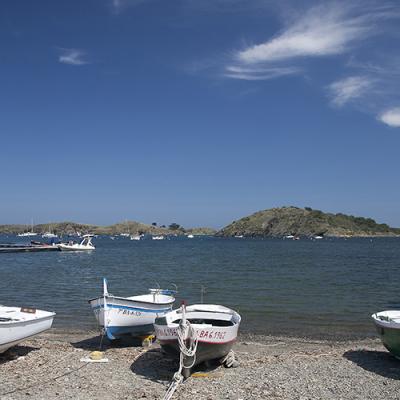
(325, 288)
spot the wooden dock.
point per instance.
(19, 248)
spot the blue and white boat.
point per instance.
(135, 315)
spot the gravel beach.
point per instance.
(49, 366)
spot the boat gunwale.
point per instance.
(235, 317)
(385, 324)
(13, 322)
(131, 300)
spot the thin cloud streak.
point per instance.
(350, 88)
(255, 74)
(119, 5)
(74, 57)
(391, 117)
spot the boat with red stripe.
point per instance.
(214, 328)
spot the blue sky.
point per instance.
(198, 111)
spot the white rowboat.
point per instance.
(18, 324)
(134, 315)
(215, 329)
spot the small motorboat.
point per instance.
(161, 237)
(387, 324)
(211, 330)
(134, 315)
(85, 244)
(18, 324)
(27, 234)
(190, 236)
(49, 235)
(136, 237)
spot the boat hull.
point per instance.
(14, 333)
(216, 335)
(127, 317)
(388, 331)
(64, 247)
(204, 352)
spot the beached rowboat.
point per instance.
(134, 315)
(215, 329)
(387, 324)
(18, 324)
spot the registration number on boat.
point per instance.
(212, 335)
(130, 312)
(204, 334)
(167, 332)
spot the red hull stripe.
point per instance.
(200, 341)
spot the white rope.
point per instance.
(186, 333)
(176, 381)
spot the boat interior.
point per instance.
(204, 321)
(149, 298)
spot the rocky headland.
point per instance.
(278, 222)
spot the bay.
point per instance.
(320, 288)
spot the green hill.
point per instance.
(131, 227)
(305, 222)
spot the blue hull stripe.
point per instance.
(115, 332)
(145, 310)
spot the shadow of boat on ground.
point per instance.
(157, 366)
(14, 352)
(378, 362)
(95, 342)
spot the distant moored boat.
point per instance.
(136, 237)
(49, 235)
(161, 237)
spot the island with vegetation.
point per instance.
(282, 221)
(126, 227)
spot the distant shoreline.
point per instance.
(274, 222)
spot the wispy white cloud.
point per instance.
(350, 88)
(391, 117)
(73, 57)
(324, 30)
(327, 29)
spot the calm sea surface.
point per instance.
(322, 288)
